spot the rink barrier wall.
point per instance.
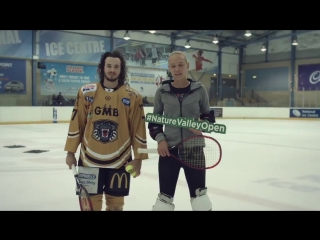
(34, 115)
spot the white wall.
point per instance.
(105, 33)
(229, 61)
(280, 49)
(230, 64)
(197, 45)
(280, 45)
(145, 37)
(21, 115)
(148, 79)
(309, 41)
(275, 46)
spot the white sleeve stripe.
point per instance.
(140, 138)
(143, 143)
(74, 132)
(74, 136)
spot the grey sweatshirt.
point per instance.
(194, 103)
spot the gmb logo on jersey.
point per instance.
(126, 101)
(105, 131)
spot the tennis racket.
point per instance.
(199, 152)
(84, 197)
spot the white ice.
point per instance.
(266, 165)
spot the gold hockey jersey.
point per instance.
(108, 124)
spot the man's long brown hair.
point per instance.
(123, 67)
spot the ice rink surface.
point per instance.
(266, 165)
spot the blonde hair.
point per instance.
(179, 52)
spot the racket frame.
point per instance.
(154, 150)
(82, 190)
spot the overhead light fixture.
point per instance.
(295, 42)
(215, 40)
(263, 48)
(152, 31)
(187, 45)
(126, 36)
(248, 33)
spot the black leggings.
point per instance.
(169, 169)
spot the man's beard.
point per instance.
(110, 79)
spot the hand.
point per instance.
(163, 148)
(71, 160)
(136, 165)
(196, 132)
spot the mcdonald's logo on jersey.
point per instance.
(119, 181)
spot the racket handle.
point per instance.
(74, 170)
(147, 150)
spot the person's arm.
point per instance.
(156, 130)
(206, 112)
(76, 125)
(138, 128)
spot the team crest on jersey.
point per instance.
(105, 131)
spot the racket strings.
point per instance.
(84, 201)
(199, 152)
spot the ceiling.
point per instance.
(227, 38)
